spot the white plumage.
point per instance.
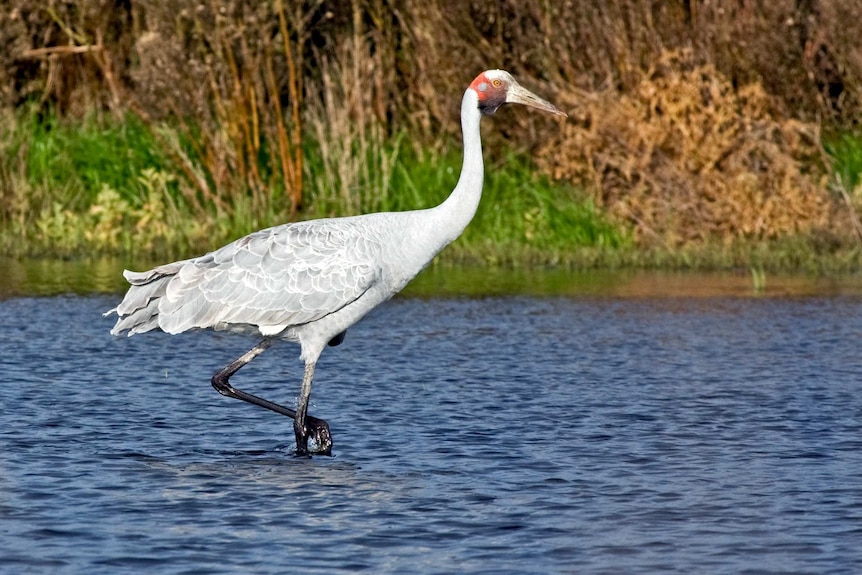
(308, 282)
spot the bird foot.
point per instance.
(317, 430)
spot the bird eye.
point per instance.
(497, 83)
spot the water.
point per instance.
(507, 434)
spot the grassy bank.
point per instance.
(160, 131)
(101, 186)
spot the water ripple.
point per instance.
(496, 435)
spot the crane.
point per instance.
(309, 281)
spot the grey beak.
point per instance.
(519, 95)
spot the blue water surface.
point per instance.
(472, 435)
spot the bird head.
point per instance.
(497, 87)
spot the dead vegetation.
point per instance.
(684, 157)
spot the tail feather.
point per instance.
(140, 320)
(139, 310)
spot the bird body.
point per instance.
(309, 281)
(304, 282)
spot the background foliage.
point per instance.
(170, 125)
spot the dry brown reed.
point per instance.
(66, 54)
(686, 157)
(85, 54)
(350, 138)
(227, 76)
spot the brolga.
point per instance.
(309, 281)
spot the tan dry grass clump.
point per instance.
(685, 157)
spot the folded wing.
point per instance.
(271, 279)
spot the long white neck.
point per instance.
(453, 215)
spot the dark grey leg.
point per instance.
(304, 425)
(302, 422)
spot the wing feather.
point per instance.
(275, 278)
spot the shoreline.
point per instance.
(43, 277)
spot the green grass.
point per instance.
(84, 157)
(82, 187)
(846, 153)
(103, 187)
